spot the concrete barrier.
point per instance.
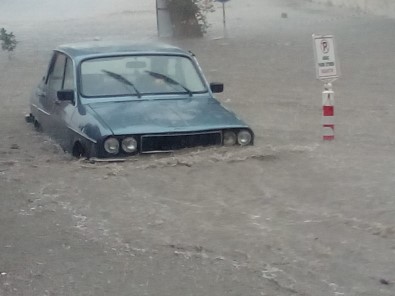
(380, 7)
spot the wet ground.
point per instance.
(290, 216)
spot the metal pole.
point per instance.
(224, 20)
(157, 17)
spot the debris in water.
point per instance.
(384, 282)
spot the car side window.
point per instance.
(69, 75)
(55, 79)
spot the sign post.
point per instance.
(327, 70)
(224, 16)
(163, 20)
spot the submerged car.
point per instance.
(111, 100)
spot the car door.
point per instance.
(62, 111)
(53, 84)
(61, 76)
(42, 101)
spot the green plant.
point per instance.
(189, 17)
(8, 40)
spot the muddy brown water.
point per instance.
(290, 216)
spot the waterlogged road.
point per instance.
(290, 216)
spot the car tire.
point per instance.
(78, 150)
(37, 126)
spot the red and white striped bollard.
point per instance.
(328, 113)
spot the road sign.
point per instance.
(325, 57)
(222, 1)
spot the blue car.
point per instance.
(112, 100)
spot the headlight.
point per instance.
(129, 145)
(244, 137)
(229, 138)
(111, 145)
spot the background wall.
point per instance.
(382, 7)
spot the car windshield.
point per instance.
(139, 75)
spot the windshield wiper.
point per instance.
(122, 79)
(169, 80)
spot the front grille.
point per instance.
(169, 142)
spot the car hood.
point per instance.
(168, 115)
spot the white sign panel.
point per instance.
(325, 57)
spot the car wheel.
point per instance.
(78, 150)
(37, 126)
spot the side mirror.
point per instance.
(66, 95)
(217, 87)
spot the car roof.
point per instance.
(99, 48)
